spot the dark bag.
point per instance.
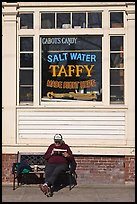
(23, 167)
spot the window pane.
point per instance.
(26, 21)
(116, 60)
(47, 20)
(26, 94)
(72, 67)
(116, 43)
(94, 20)
(26, 60)
(26, 77)
(79, 19)
(117, 77)
(117, 94)
(116, 20)
(26, 44)
(117, 52)
(63, 20)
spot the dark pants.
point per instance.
(52, 172)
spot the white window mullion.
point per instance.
(36, 74)
(55, 20)
(105, 59)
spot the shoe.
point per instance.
(49, 194)
(44, 188)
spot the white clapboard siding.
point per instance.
(82, 124)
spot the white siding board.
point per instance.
(67, 126)
(91, 124)
(41, 122)
(70, 113)
(80, 131)
(78, 136)
(75, 131)
(68, 118)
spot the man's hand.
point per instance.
(65, 154)
(55, 152)
(52, 152)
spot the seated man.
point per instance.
(58, 156)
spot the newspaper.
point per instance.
(59, 150)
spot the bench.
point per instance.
(36, 175)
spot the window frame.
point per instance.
(37, 31)
(118, 68)
(25, 68)
(97, 50)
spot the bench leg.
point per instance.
(18, 180)
(14, 180)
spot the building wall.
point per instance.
(91, 169)
(110, 138)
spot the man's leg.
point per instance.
(58, 168)
(49, 168)
(52, 172)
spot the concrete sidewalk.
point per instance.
(92, 193)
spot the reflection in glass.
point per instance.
(116, 43)
(63, 20)
(117, 94)
(26, 21)
(26, 94)
(48, 20)
(116, 52)
(26, 44)
(94, 20)
(26, 60)
(117, 77)
(116, 60)
(116, 20)
(26, 77)
(78, 20)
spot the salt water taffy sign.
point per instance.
(70, 70)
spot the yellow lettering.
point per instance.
(78, 70)
(70, 85)
(54, 84)
(71, 69)
(62, 71)
(54, 71)
(89, 70)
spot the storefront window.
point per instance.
(71, 67)
(71, 64)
